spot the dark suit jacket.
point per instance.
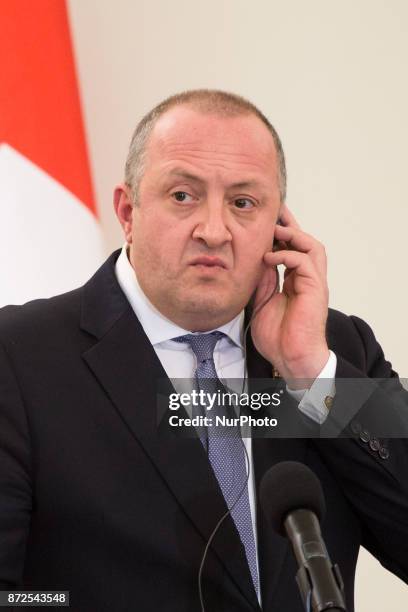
(95, 499)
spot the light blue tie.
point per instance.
(225, 452)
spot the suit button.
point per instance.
(375, 444)
(384, 452)
(355, 427)
(328, 402)
(365, 436)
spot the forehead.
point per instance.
(212, 141)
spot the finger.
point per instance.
(267, 285)
(301, 275)
(295, 238)
(300, 263)
(287, 217)
(303, 242)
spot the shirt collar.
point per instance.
(156, 326)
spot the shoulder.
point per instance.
(351, 338)
(40, 318)
(339, 323)
(60, 315)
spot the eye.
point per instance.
(182, 196)
(243, 203)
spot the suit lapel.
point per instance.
(131, 374)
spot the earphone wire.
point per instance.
(214, 532)
(248, 465)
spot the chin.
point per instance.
(202, 297)
(209, 308)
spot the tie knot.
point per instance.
(202, 345)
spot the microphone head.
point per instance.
(289, 486)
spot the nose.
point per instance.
(212, 227)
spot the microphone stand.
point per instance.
(319, 581)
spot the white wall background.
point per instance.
(332, 77)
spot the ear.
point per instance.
(123, 204)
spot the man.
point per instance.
(95, 497)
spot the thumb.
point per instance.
(267, 285)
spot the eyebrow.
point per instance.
(179, 172)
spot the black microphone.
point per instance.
(293, 502)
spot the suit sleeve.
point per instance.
(372, 468)
(15, 478)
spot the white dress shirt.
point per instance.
(179, 361)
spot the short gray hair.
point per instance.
(212, 101)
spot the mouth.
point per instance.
(206, 261)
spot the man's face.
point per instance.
(208, 204)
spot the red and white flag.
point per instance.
(50, 239)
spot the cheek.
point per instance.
(249, 261)
(146, 224)
(159, 243)
(250, 251)
(253, 270)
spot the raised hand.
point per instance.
(289, 330)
